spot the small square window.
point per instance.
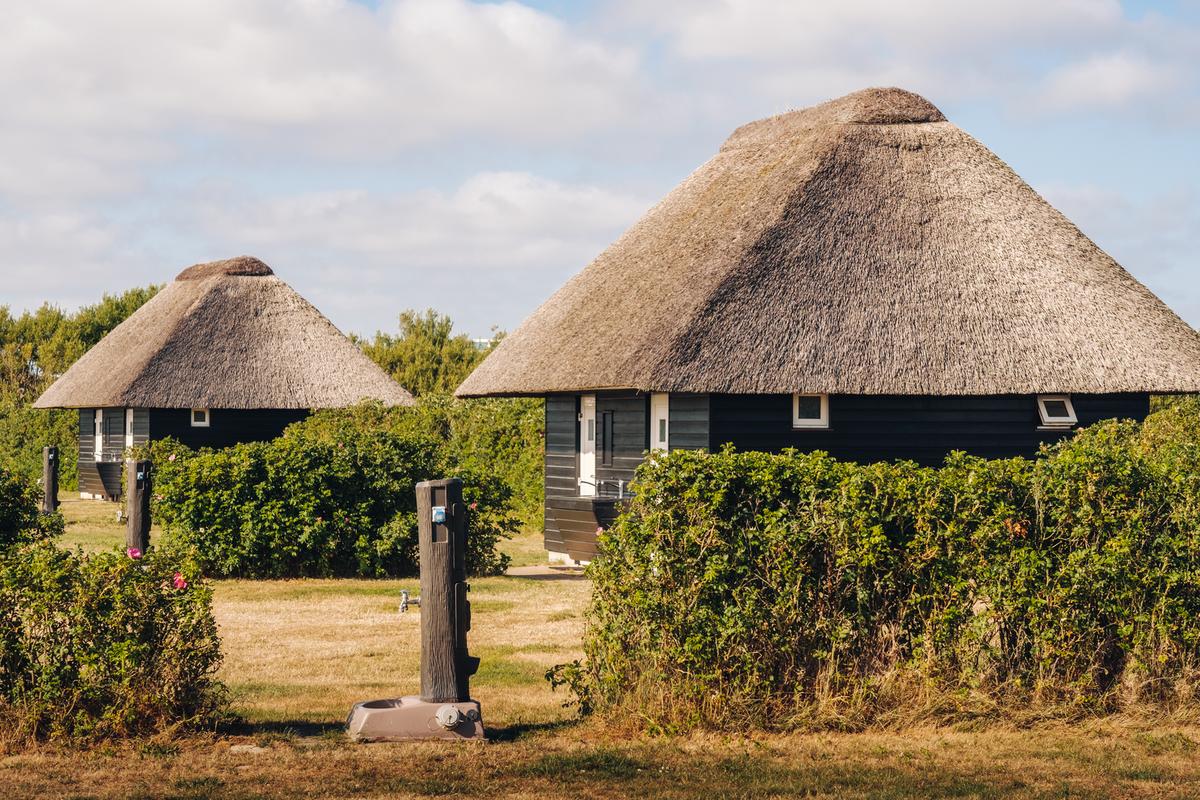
(199, 417)
(810, 411)
(1056, 411)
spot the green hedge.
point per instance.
(789, 590)
(102, 645)
(334, 495)
(20, 522)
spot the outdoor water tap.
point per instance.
(406, 601)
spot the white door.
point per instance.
(587, 445)
(660, 421)
(128, 428)
(98, 447)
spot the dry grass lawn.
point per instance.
(299, 653)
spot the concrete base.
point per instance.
(555, 557)
(406, 718)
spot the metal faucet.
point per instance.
(406, 601)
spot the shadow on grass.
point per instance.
(282, 728)
(288, 729)
(513, 733)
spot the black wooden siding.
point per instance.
(866, 428)
(861, 428)
(103, 478)
(687, 427)
(226, 427)
(562, 433)
(571, 520)
(629, 441)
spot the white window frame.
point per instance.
(98, 432)
(821, 422)
(207, 417)
(660, 420)
(588, 430)
(1056, 422)
(128, 428)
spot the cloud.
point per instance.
(876, 29)
(490, 249)
(99, 91)
(1109, 81)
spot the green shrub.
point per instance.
(20, 522)
(102, 645)
(334, 495)
(793, 589)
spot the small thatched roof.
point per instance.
(862, 246)
(228, 334)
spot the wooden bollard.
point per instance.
(446, 666)
(444, 709)
(137, 504)
(49, 480)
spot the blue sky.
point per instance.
(472, 156)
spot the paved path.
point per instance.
(545, 572)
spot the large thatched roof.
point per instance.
(228, 334)
(862, 246)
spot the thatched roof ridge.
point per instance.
(862, 246)
(241, 265)
(227, 334)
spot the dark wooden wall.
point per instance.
(861, 428)
(562, 435)
(923, 429)
(571, 520)
(687, 428)
(226, 426)
(629, 441)
(103, 478)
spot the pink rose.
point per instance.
(133, 552)
(474, 506)
(171, 457)
(599, 531)
(179, 582)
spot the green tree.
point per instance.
(426, 357)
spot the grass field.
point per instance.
(299, 653)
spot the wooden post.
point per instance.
(446, 667)
(137, 504)
(49, 480)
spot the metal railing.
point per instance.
(618, 491)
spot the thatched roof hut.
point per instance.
(224, 335)
(862, 246)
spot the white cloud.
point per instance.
(96, 91)
(876, 29)
(1108, 81)
(508, 219)
(488, 251)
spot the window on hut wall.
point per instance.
(1056, 411)
(810, 410)
(659, 421)
(98, 435)
(200, 418)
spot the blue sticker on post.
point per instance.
(439, 515)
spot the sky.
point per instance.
(471, 157)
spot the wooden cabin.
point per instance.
(226, 353)
(860, 277)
